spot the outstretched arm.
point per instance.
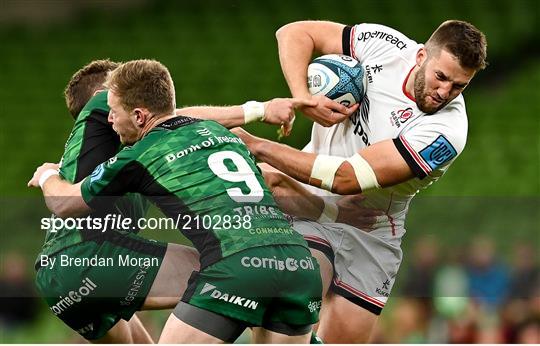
(278, 111)
(297, 42)
(381, 165)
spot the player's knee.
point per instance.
(344, 331)
(120, 333)
(345, 322)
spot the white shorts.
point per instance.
(365, 266)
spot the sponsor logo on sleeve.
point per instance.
(97, 173)
(438, 152)
(381, 35)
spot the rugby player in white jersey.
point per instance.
(410, 127)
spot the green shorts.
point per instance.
(92, 285)
(261, 286)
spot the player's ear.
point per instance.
(421, 56)
(140, 116)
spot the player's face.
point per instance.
(439, 80)
(123, 122)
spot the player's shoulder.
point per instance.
(450, 123)
(129, 154)
(454, 113)
(384, 35)
(191, 127)
(97, 103)
(375, 28)
(165, 136)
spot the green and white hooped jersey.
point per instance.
(205, 180)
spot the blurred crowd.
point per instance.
(464, 295)
(18, 301)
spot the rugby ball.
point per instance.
(338, 77)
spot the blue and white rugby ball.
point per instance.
(338, 77)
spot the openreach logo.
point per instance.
(290, 264)
(73, 297)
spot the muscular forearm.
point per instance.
(291, 197)
(277, 111)
(228, 116)
(299, 165)
(64, 199)
(379, 165)
(294, 163)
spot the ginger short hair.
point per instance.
(143, 83)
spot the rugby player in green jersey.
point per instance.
(91, 142)
(99, 302)
(197, 168)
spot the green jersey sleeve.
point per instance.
(111, 180)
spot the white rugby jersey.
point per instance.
(428, 143)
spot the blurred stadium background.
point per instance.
(471, 268)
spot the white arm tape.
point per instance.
(253, 111)
(324, 169)
(329, 213)
(46, 175)
(364, 173)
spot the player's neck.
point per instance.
(409, 85)
(155, 121)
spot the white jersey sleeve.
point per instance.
(364, 41)
(434, 141)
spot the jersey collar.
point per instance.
(405, 85)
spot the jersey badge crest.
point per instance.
(397, 118)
